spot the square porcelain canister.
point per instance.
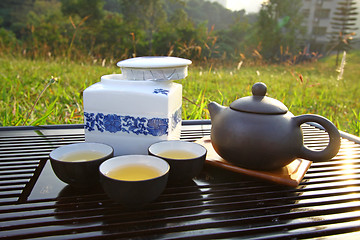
(140, 106)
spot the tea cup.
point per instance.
(78, 164)
(186, 159)
(134, 180)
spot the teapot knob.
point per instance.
(259, 89)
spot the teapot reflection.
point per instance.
(76, 204)
(84, 207)
(168, 210)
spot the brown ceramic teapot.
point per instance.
(258, 132)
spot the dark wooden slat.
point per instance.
(216, 206)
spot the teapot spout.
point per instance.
(214, 109)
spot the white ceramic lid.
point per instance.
(156, 68)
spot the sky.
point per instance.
(250, 6)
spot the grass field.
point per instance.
(37, 92)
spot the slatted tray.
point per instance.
(34, 204)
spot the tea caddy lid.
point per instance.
(259, 103)
(155, 68)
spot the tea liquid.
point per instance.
(135, 172)
(177, 154)
(81, 156)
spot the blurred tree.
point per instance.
(113, 6)
(231, 40)
(47, 27)
(7, 38)
(115, 38)
(194, 29)
(343, 25)
(13, 14)
(166, 39)
(180, 37)
(211, 13)
(85, 17)
(148, 15)
(278, 28)
(92, 9)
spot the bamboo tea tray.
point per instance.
(290, 175)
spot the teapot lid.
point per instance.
(259, 103)
(155, 68)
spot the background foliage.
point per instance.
(120, 29)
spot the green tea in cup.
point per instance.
(133, 172)
(177, 154)
(80, 156)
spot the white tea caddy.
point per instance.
(140, 106)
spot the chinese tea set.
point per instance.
(132, 131)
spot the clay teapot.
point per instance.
(258, 132)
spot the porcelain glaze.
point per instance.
(132, 110)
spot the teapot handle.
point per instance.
(334, 144)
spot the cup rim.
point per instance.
(172, 143)
(134, 159)
(77, 147)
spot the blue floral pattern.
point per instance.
(114, 123)
(161, 91)
(176, 118)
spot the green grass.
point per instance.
(318, 91)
